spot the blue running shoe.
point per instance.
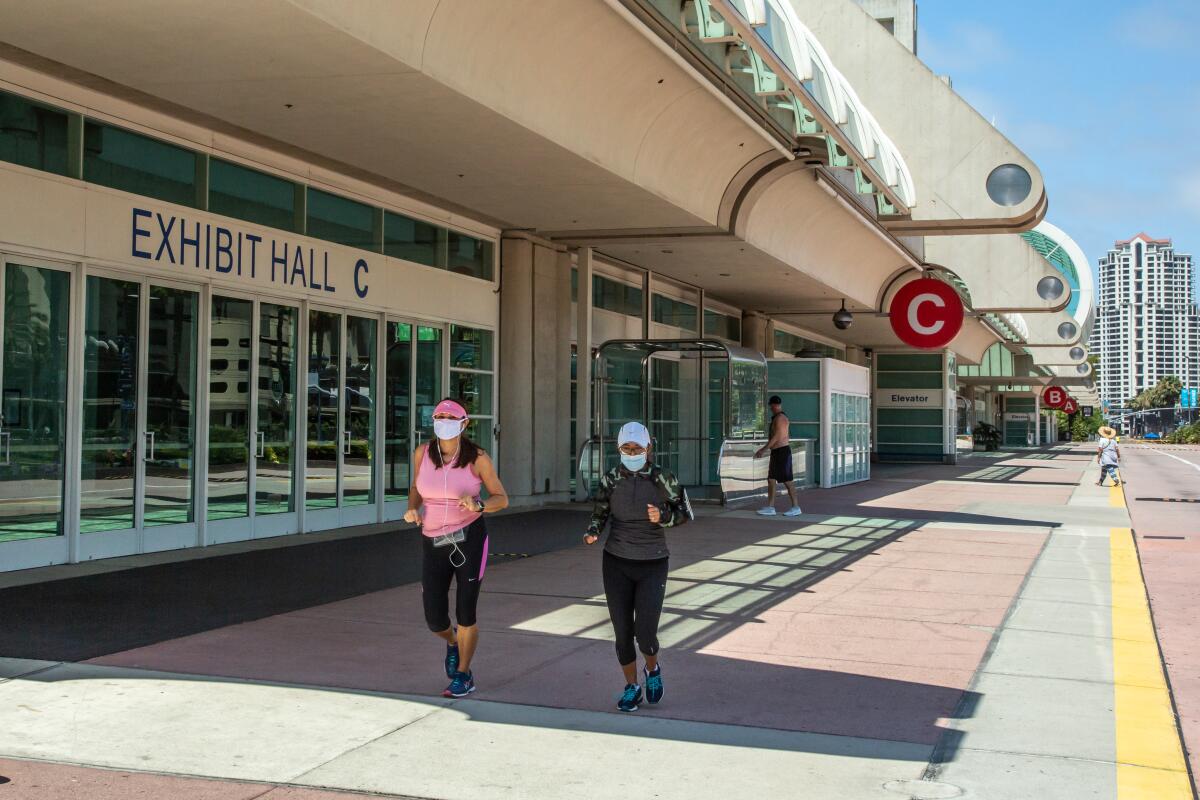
(630, 698)
(654, 686)
(451, 660)
(462, 685)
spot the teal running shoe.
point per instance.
(630, 698)
(654, 685)
(462, 685)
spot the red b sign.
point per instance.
(927, 314)
(1054, 397)
(1070, 407)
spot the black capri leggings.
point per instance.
(437, 570)
(634, 591)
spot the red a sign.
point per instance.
(1070, 406)
(926, 313)
(1054, 397)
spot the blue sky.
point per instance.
(1103, 95)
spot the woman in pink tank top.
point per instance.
(444, 500)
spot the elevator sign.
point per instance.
(1054, 397)
(926, 313)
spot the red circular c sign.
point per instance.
(927, 314)
(1054, 397)
(1070, 406)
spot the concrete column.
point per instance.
(755, 328)
(531, 459)
(1037, 418)
(583, 344)
(561, 480)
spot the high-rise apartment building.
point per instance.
(1147, 323)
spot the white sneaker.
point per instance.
(794, 511)
(769, 511)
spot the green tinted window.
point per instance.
(134, 163)
(410, 239)
(722, 325)
(470, 348)
(669, 311)
(908, 362)
(469, 256)
(32, 135)
(341, 221)
(244, 193)
(615, 296)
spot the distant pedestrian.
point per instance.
(780, 468)
(1108, 453)
(444, 499)
(641, 500)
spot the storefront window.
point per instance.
(32, 135)
(244, 193)
(615, 296)
(128, 161)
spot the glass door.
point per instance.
(413, 386)
(276, 408)
(323, 421)
(33, 415)
(358, 429)
(251, 419)
(138, 465)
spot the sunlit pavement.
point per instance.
(978, 630)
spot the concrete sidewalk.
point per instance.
(936, 632)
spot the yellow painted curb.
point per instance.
(1116, 496)
(1150, 761)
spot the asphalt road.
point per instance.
(1163, 496)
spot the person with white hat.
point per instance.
(1108, 454)
(641, 500)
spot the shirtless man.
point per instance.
(780, 469)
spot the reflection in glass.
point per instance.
(108, 469)
(324, 381)
(170, 406)
(229, 408)
(429, 379)
(274, 468)
(358, 487)
(36, 312)
(398, 413)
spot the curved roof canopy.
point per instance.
(1062, 253)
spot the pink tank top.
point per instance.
(440, 492)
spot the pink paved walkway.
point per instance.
(858, 627)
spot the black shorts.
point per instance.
(781, 465)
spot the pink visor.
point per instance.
(450, 407)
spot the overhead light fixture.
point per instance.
(842, 319)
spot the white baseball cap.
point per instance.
(633, 433)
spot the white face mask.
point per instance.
(448, 428)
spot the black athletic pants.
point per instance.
(634, 591)
(437, 571)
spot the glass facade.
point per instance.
(128, 161)
(250, 195)
(677, 313)
(793, 345)
(615, 296)
(32, 135)
(723, 326)
(472, 368)
(341, 221)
